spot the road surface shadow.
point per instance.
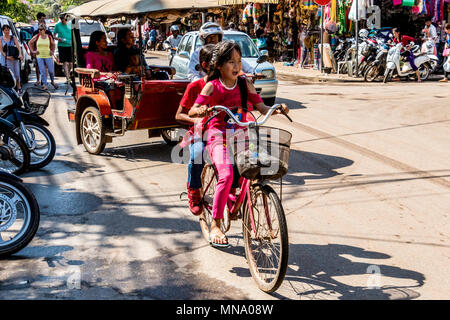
(292, 104)
(313, 166)
(54, 201)
(152, 151)
(314, 272)
(60, 167)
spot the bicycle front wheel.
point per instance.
(266, 238)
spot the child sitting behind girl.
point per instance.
(195, 141)
(222, 89)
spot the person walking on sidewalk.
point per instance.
(63, 34)
(43, 46)
(446, 54)
(11, 54)
(40, 19)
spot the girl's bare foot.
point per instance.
(55, 86)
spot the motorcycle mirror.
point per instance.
(111, 34)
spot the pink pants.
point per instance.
(220, 156)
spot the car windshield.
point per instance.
(87, 28)
(248, 48)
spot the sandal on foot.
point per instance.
(55, 86)
(218, 245)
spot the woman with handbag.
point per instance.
(11, 54)
(446, 54)
(43, 46)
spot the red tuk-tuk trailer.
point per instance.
(132, 103)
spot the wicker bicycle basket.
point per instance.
(36, 100)
(261, 152)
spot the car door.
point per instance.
(181, 59)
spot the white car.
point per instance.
(25, 64)
(266, 87)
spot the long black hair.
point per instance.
(96, 36)
(122, 34)
(223, 51)
(205, 55)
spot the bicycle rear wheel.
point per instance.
(209, 182)
(266, 244)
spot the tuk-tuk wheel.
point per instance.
(171, 137)
(92, 131)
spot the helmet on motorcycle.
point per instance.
(209, 29)
(331, 27)
(363, 33)
(174, 28)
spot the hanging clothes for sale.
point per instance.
(342, 20)
(247, 13)
(362, 10)
(334, 11)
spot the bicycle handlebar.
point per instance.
(219, 109)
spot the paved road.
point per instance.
(367, 200)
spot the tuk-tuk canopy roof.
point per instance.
(115, 8)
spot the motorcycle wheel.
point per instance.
(371, 73)
(19, 216)
(388, 76)
(424, 71)
(20, 160)
(43, 145)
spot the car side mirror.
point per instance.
(184, 54)
(262, 59)
(264, 52)
(111, 35)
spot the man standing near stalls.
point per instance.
(430, 31)
(210, 33)
(63, 34)
(153, 35)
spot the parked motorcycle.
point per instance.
(395, 66)
(14, 154)
(19, 214)
(376, 68)
(25, 114)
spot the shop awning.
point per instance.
(231, 2)
(114, 8)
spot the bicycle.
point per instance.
(263, 220)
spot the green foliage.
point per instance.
(17, 10)
(26, 10)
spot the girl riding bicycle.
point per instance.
(223, 89)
